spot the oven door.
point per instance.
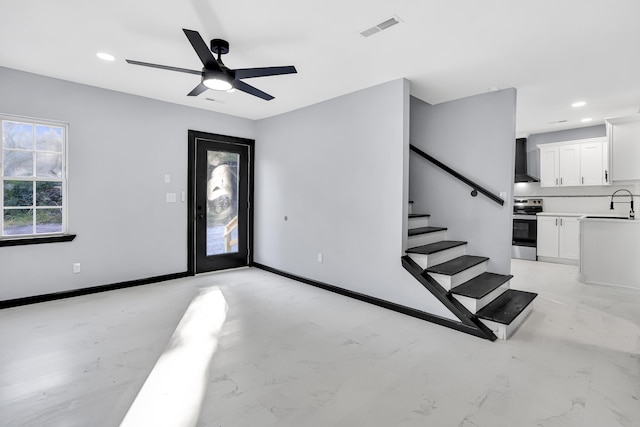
(525, 230)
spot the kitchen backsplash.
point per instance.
(580, 199)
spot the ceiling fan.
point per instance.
(217, 76)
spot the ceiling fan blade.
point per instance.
(197, 90)
(246, 73)
(202, 50)
(240, 85)
(164, 67)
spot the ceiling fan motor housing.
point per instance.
(219, 46)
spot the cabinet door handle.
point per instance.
(606, 176)
(556, 222)
(560, 181)
(583, 180)
(560, 222)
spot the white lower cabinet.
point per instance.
(558, 238)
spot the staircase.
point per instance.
(482, 301)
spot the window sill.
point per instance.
(36, 240)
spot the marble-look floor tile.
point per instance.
(287, 354)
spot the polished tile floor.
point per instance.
(247, 348)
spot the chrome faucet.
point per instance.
(631, 212)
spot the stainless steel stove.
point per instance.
(525, 228)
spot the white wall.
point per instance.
(476, 137)
(337, 171)
(120, 148)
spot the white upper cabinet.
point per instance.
(624, 137)
(574, 163)
(549, 166)
(570, 165)
(592, 157)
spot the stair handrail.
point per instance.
(475, 187)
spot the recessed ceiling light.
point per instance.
(578, 104)
(105, 56)
(586, 119)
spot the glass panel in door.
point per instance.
(222, 202)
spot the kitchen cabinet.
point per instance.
(574, 163)
(558, 238)
(549, 166)
(593, 158)
(624, 138)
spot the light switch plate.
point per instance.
(171, 197)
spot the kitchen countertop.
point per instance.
(572, 214)
(585, 216)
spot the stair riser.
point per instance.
(503, 331)
(473, 305)
(419, 222)
(426, 261)
(450, 282)
(425, 239)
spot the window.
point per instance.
(33, 191)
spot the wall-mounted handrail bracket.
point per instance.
(475, 187)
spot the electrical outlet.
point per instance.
(167, 179)
(171, 197)
(76, 268)
(319, 256)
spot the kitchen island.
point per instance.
(610, 251)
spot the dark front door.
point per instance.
(220, 190)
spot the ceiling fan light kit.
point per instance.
(217, 76)
(216, 81)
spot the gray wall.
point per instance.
(120, 148)
(533, 155)
(474, 136)
(337, 171)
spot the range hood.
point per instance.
(521, 162)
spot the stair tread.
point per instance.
(417, 215)
(435, 247)
(425, 230)
(507, 306)
(457, 265)
(481, 285)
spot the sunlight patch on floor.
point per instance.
(172, 394)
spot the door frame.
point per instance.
(193, 137)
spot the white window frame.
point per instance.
(63, 179)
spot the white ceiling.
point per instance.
(555, 52)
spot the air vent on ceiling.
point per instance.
(379, 27)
